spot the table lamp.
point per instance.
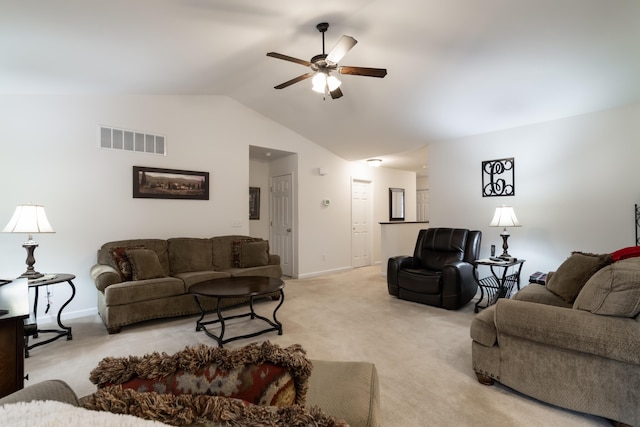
(29, 219)
(504, 217)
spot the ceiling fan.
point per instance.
(323, 65)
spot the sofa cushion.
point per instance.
(143, 290)
(189, 254)
(539, 294)
(262, 374)
(574, 272)
(236, 250)
(354, 391)
(223, 249)
(157, 245)
(613, 291)
(193, 277)
(120, 261)
(254, 254)
(144, 264)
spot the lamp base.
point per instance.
(505, 246)
(31, 273)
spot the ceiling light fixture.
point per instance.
(324, 82)
(374, 163)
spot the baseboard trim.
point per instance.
(324, 272)
(53, 319)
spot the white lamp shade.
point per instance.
(504, 217)
(28, 219)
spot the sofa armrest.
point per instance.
(104, 275)
(46, 390)
(274, 259)
(394, 265)
(458, 272)
(459, 284)
(605, 336)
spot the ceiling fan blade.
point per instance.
(336, 93)
(363, 71)
(294, 80)
(341, 48)
(289, 58)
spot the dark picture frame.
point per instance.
(498, 177)
(157, 183)
(254, 202)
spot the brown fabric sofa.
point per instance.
(143, 279)
(574, 343)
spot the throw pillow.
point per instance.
(121, 261)
(574, 272)
(189, 409)
(624, 253)
(613, 291)
(236, 249)
(263, 374)
(254, 254)
(144, 264)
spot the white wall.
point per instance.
(422, 183)
(576, 183)
(50, 155)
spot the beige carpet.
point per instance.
(423, 354)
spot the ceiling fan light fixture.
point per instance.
(321, 82)
(323, 64)
(333, 82)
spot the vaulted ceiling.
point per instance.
(455, 67)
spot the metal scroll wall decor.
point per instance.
(497, 177)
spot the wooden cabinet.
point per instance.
(14, 298)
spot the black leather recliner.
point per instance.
(440, 272)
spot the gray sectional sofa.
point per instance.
(143, 279)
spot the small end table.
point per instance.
(31, 324)
(498, 285)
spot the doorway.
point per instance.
(282, 227)
(422, 205)
(360, 223)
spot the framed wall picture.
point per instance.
(254, 202)
(156, 183)
(498, 177)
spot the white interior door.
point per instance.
(360, 223)
(422, 204)
(282, 221)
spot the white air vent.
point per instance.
(131, 140)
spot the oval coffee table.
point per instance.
(237, 287)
